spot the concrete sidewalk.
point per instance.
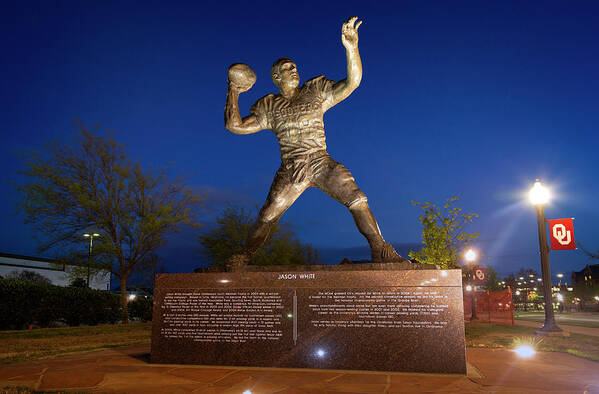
(127, 370)
(592, 331)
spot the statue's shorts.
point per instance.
(316, 169)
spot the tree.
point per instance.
(492, 282)
(28, 276)
(443, 233)
(93, 185)
(78, 282)
(228, 238)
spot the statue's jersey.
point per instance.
(297, 123)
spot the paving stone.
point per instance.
(68, 380)
(204, 375)
(21, 369)
(149, 382)
(364, 378)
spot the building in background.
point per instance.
(57, 273)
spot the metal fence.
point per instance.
(491, 306)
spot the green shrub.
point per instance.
(30, 303)
(141, 308)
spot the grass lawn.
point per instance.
(480, 334)
(568, 319)
(24, 345)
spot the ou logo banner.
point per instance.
(561, 233)
(480, 274)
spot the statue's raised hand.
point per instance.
(349, 33)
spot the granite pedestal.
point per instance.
(378, 320)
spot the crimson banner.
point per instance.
(561, 233)
(480, 274)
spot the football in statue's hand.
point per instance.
(242, 76)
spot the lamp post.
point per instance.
(539, 196)
(89, 255)
(470, 257)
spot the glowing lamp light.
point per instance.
(518, 292)
(468, 288)
(247, 392)
(132, 297)
(290, 315)
(320, 353)
(597, 298)
(224, 281)
(560, 297)
(524, 351)
(539, 195)
(470, 255)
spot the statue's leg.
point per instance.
(283, 192)
(337, 182)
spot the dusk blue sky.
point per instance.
(467, 98)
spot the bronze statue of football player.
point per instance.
(295, 116)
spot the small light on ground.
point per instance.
(524, 351)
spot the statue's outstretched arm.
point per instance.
(233, 121)
(349, 38)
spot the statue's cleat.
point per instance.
(386, 254)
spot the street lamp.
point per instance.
(560, 276)
(470, 256)
(89, 255)
(539, 196)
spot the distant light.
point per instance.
(320, 353)
(539, 280)
(521, 278)
(519, 283)
(443, 273)
(290, 315)
(518, 292)
(524, 351)
(224, 281)
(247, 392)
(570, 288)
(470, 255)
(96, 234)
(468, 288)
(561, 297)
(531, 276)
(534, 288)
(132, 297)
(538, 194)
(597, 298)
(560, 275)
